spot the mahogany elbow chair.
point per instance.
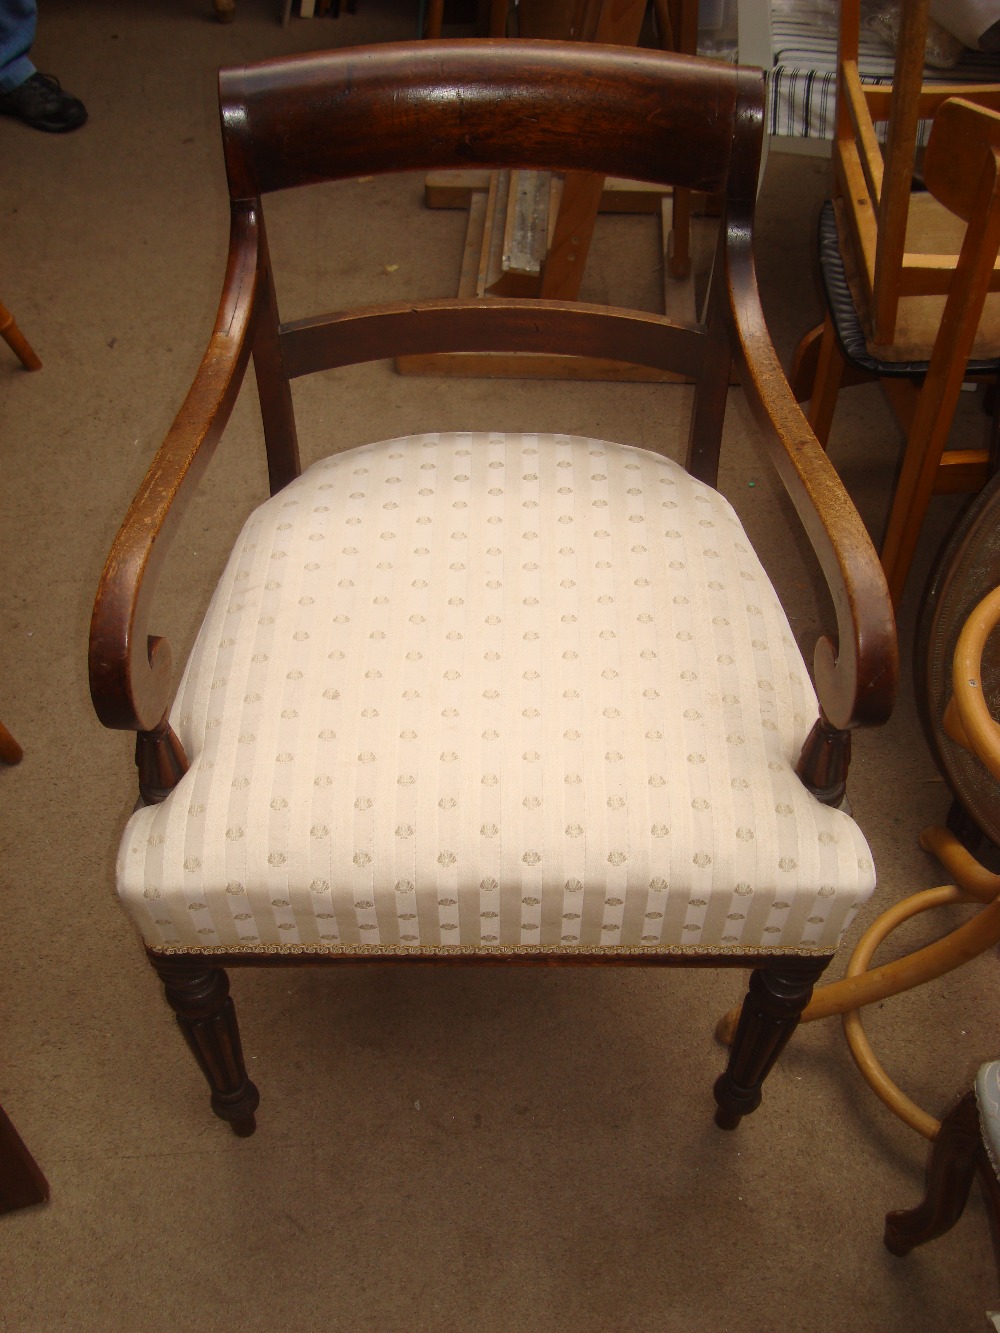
(487, 697)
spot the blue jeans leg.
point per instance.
(17, 32)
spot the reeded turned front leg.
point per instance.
(199, 995)
(770, 1014)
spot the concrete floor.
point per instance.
(447, 1150)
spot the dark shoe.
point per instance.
(41, 103)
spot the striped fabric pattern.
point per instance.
(494, 692)
(803, 81)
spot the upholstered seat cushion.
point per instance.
(482, 692)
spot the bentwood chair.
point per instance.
(489, 697)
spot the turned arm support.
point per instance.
(130, 667)
(856, 672)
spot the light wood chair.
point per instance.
(904, 306)
(490, 697)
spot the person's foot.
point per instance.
(41, 103)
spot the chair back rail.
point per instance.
(964, 144)
(288, 123)
(484, 325)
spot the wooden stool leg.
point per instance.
(950, 1172)
(777, 995)
(10, 751)
(16, 341)
(435, 19)
(21, 1181)
(679, 241)
(199, 996)
(802, 375)
(826, 387)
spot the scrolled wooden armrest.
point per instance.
(856, 674)
(130, 675)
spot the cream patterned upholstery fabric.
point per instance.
(494, 692)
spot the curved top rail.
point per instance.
(650, 116)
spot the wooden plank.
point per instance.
(454, 189)
(856, 220)
(473, 243)
(932, 96)
(678, 289)
(435, 19)
(553, 19)
(868, 150)
(526, 233)
(930, 275)
(677, 229)
(679, 306)
(622, 196)
(619, 24)
(894, 201)
(961, 471)
(573, 233)
(492, 238)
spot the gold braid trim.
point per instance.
(500, 950)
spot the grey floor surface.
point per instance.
(446, 1150)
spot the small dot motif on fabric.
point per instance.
(489, 691)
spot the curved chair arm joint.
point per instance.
(857, 670)
(130, 667)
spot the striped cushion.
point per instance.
(494, 692)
